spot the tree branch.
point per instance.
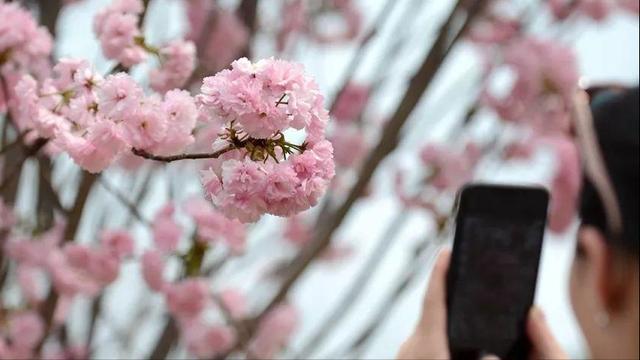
(213, 155)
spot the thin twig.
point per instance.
(357, 285)
(213, 155)
(422, 257)
(133, 209)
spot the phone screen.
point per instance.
(491, 282)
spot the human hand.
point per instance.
(429, 339)
(544, 344)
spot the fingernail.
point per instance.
(490, 357)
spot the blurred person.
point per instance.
(604, 276)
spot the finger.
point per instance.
(544, 343)
(434, 306)
(490, 357)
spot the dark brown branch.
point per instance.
(50, 194)
(166, 340)
(11, 179)
(49, 11)
(248, 13)
(213, 155)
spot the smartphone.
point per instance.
(491, 281)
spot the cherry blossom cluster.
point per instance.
(597, 10)
(300, 16)
(347, 136)
(24, 330)
(95, 119)
(446, 171)
(190, 299)
(254, 105)
(546, 77)
(73, 269)
(24, 46)
(121, 39)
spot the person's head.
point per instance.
(604, 277)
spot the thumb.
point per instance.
(544, 344)
(434, 306)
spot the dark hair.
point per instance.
(615, 118)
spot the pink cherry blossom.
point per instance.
(78, 269)
(220, 44)
(178, 60)
(116, 28)
(153, 269)
(297, 232)
(632, 6)
(147, 126)
(26, 329)
(118, 242)
(30, 286)
(197, 13)
(294, 19)
(205, 341)
(210, 182)
(186, 299)
(521, 149)
(24, 45)
(214, 227)
(34, 252)
(449, 170)
(274, 331)
(263, 98)
(597, 10)
(166, 231)
(96, 150)
(7, 217)
(119, 96)
(234, 301)
(545, 78)
(351, 102)
(349, 145)
(494, 29)
(182, 114)
(352, 19)
(300, 17)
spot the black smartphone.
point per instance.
(494, 266)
